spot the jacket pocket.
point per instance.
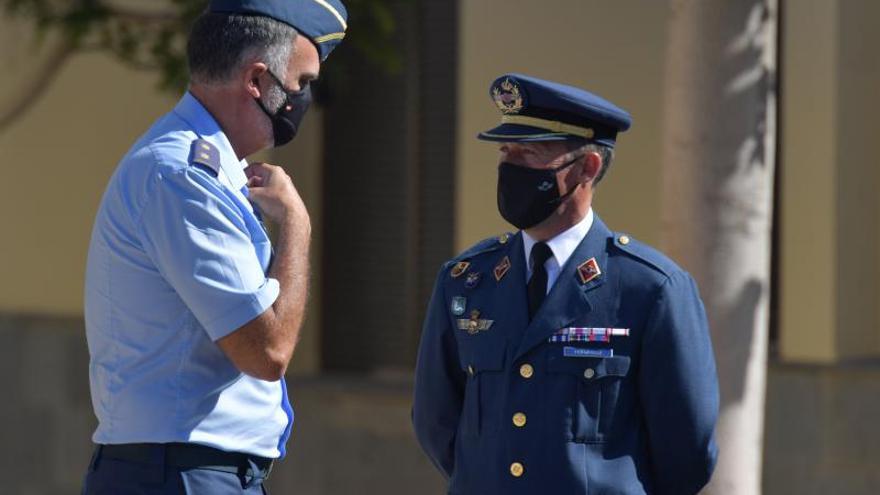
(594, 396)
(483, 362)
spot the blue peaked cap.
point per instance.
(537, 110)
(322, 21)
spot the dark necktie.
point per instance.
(537, 287)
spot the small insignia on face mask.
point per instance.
(545, 186)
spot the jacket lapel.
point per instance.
(571, 297)
(511, 291)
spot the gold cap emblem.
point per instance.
(508, 96)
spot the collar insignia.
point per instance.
(501, 268)
(588, 270)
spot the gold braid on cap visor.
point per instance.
(550, 125)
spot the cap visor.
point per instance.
(522, 133)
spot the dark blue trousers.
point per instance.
(108, 476)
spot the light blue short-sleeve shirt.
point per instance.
(177, 260)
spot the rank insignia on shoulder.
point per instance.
(205, 154)
(472, 280)
(474, 324)
(501, 268)
(459, 269)
(588, 270)
(458, 305)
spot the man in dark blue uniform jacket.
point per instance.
(566, 358)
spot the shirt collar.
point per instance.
(564, 244)
(203, 123)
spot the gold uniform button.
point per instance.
(526, 371)
(624, 240)
(517, 469)
(519, 420)
(589, 373)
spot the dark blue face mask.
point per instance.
(287, 118)
(528, 196)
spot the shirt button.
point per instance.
(589, 373)
(517, 469)
(526, 371)
(519, 420)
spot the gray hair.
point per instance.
(605, 152)
(222, 44)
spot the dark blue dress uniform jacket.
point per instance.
(639, 422)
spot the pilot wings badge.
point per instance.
(474, 324)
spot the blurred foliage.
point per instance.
(152, 35)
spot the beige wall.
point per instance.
(858, 180)
(614, 49)
(809, 99)
(830, 213)
(56, 161)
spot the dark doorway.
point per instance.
(389, 193)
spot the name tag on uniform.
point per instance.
(578, 352)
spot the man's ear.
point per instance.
(251, 78)
(592, 165)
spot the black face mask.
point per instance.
(528, 196)
(287, 118)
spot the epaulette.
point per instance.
(485, 246)
(206, 155)
(645, 253)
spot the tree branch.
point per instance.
(142, 16)
(39, 83)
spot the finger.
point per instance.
(255, 181)
(256, 194)
(256, 169)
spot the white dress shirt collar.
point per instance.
(562, 246)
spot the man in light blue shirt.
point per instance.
(191, 315)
